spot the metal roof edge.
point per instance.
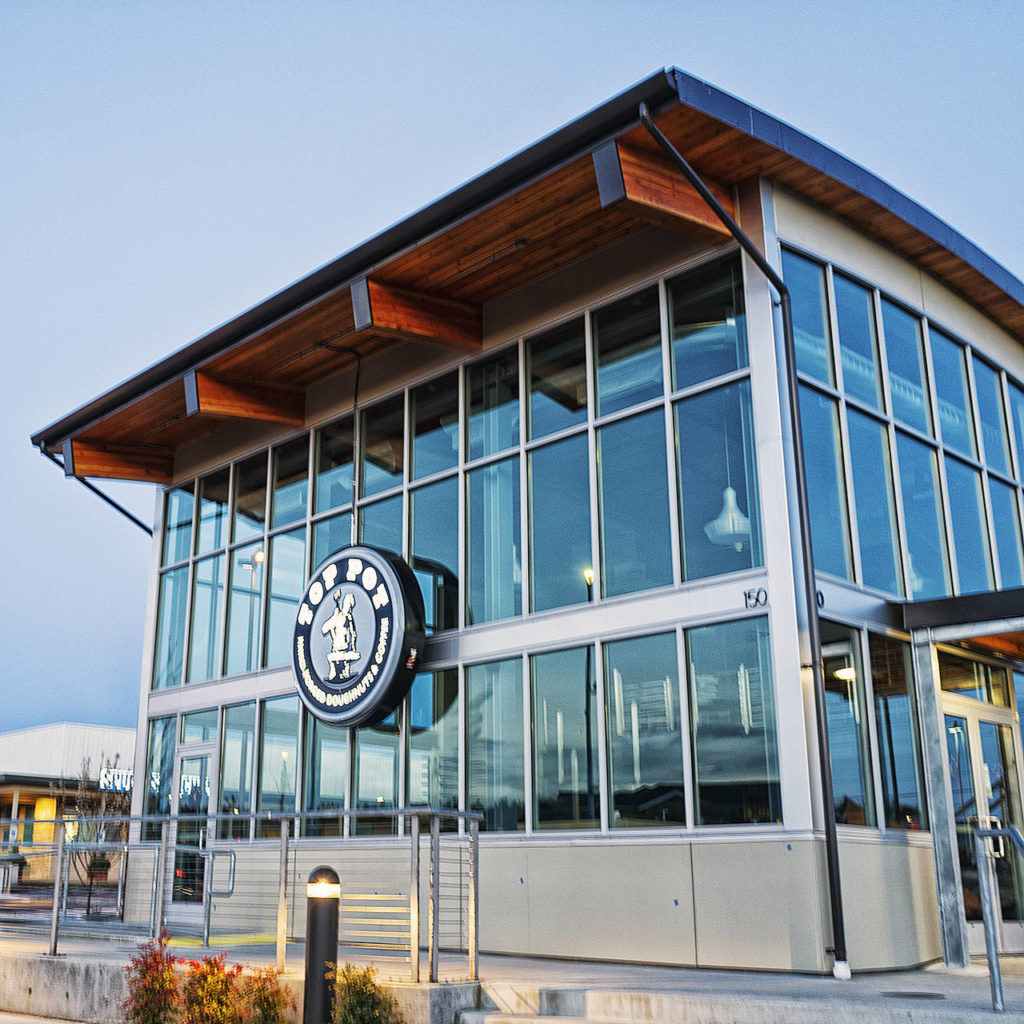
(754, 122)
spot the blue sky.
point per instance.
(166, 165)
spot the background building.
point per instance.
(44, 771)
(560, 392)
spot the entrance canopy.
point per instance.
(992, 621)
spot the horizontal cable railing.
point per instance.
(409, 880)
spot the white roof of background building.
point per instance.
(56, 751)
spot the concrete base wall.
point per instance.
(93, 990)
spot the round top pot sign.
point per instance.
(358, 637)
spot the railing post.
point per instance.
(161, 877)
(58, 878)
(414, 899)
(435, 888)
(282, 899)
(474, 896)
(988, 916)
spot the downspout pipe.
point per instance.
(101, 494)
(841, 967)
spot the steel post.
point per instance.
(58, 879)
(282, 898)
(414, 899)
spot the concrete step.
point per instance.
(513, 1004)
(497, 1017)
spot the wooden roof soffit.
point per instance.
(416, 316)
(118, 462)
(208, 395)
(647, 185)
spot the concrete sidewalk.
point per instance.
(527, 987)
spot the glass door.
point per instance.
(982, 746)
(192, 808)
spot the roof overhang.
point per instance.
(425, 281)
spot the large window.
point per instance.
(643, 720)
(899, 747)
(434, 741)
(732, 720)
(326, 771)
(565, 740)
(847, 725)
(237, 758)
(495, 767)
(279, 752)
(159, 773)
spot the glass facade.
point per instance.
(913, 448)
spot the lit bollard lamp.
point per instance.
(323, 896)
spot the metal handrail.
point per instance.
(982, 853)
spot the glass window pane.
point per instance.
(636, 544)
(970, 537)
(207, 615)
(244, 604)
(826, 486)
(706, 322)
(375, 752)
(874, 501)
(326, 769)
(434, 741)
(334, 446)
(493, 523)
(250, 497)
(951, 392)
(645, 743)
(899, 747)
(560, 555)
(170, 630)
(435, 426)
(380, 524)
(627, 346)
(287, 581)
(557, 368)
(213, 511)
(493, 387)
(279, 749)
(904, 350)
(383, 446)
(975, 679)
(291, 478)
(1017, 420)
(858, 341)
(178, 506)
(718, 494)
(926, 539)
(566, 792)
(331, 535)
(990, 412)
(495, 769)
(732, 715)
(847, 724)
(237, 753)
(806, 283)
(199, 726)
(159, 772)
(1006, 521)
(435, 551)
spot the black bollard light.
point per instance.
(323, 895)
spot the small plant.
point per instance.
(152, 984)
(208, 996)
(264, 1000)
(360, 999)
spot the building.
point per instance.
(561, 393)
(42, 769)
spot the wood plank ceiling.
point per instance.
(433, 292)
